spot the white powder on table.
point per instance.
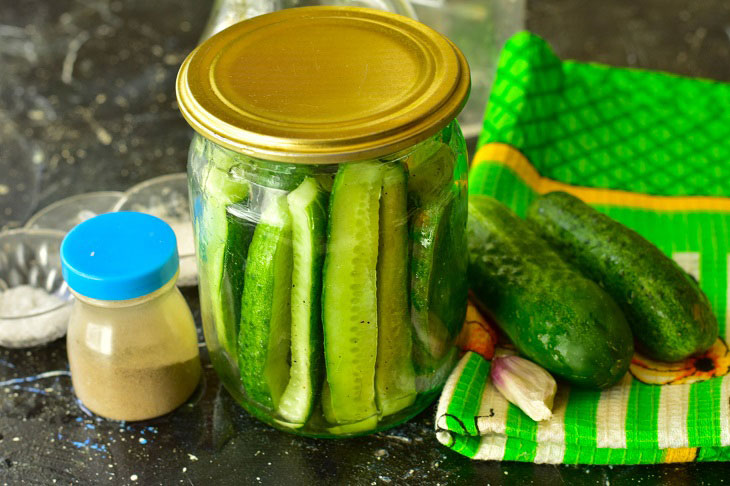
(17, 331)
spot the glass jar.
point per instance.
(328, 184)
(132, 344)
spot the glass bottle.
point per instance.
(131, 342)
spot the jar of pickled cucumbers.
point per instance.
(328, 183)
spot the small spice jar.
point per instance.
(329, 193)
(132, 344)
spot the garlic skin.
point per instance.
(526, 385)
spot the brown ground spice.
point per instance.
(125, 392)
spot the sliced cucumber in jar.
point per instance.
(438, 286)
(349, 293)
(223, 243)
(276, 175)
(265, 330)
(308, 210)
(428, 227)
(430, 170)
(449, 287)
(345, 429)
(395, 385)
(240, 232)
(433, 380)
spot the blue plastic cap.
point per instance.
(119, 256)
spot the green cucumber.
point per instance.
(448, 287)
(430, 169)
(395, 380)
(240, 233)
(265, 334)
(429, 227)
(349, 297)
(669, 314)
(554, 315)
(223, 244)
(434, 380)
(268, 174)
(325, 178)
(308, 209)
(438, 256)
(352, 428)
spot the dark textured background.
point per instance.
(87, 103)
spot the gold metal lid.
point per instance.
(323, 85)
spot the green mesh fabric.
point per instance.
(600, 126)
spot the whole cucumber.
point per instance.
(551, 313)
(670, 316)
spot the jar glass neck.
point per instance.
(128, 302)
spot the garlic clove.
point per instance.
(526, 385)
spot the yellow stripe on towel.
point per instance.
(512, 158)
(684, 454)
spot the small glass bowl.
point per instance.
(65, 214)
(32, 257)
(167, 198)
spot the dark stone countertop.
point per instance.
(87, 103)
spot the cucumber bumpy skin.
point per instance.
(349, 297)
(265, 334)
(561, 320)
(395, 379)
(308, 209)
(669, 314)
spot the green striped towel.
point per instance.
(651, 150)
